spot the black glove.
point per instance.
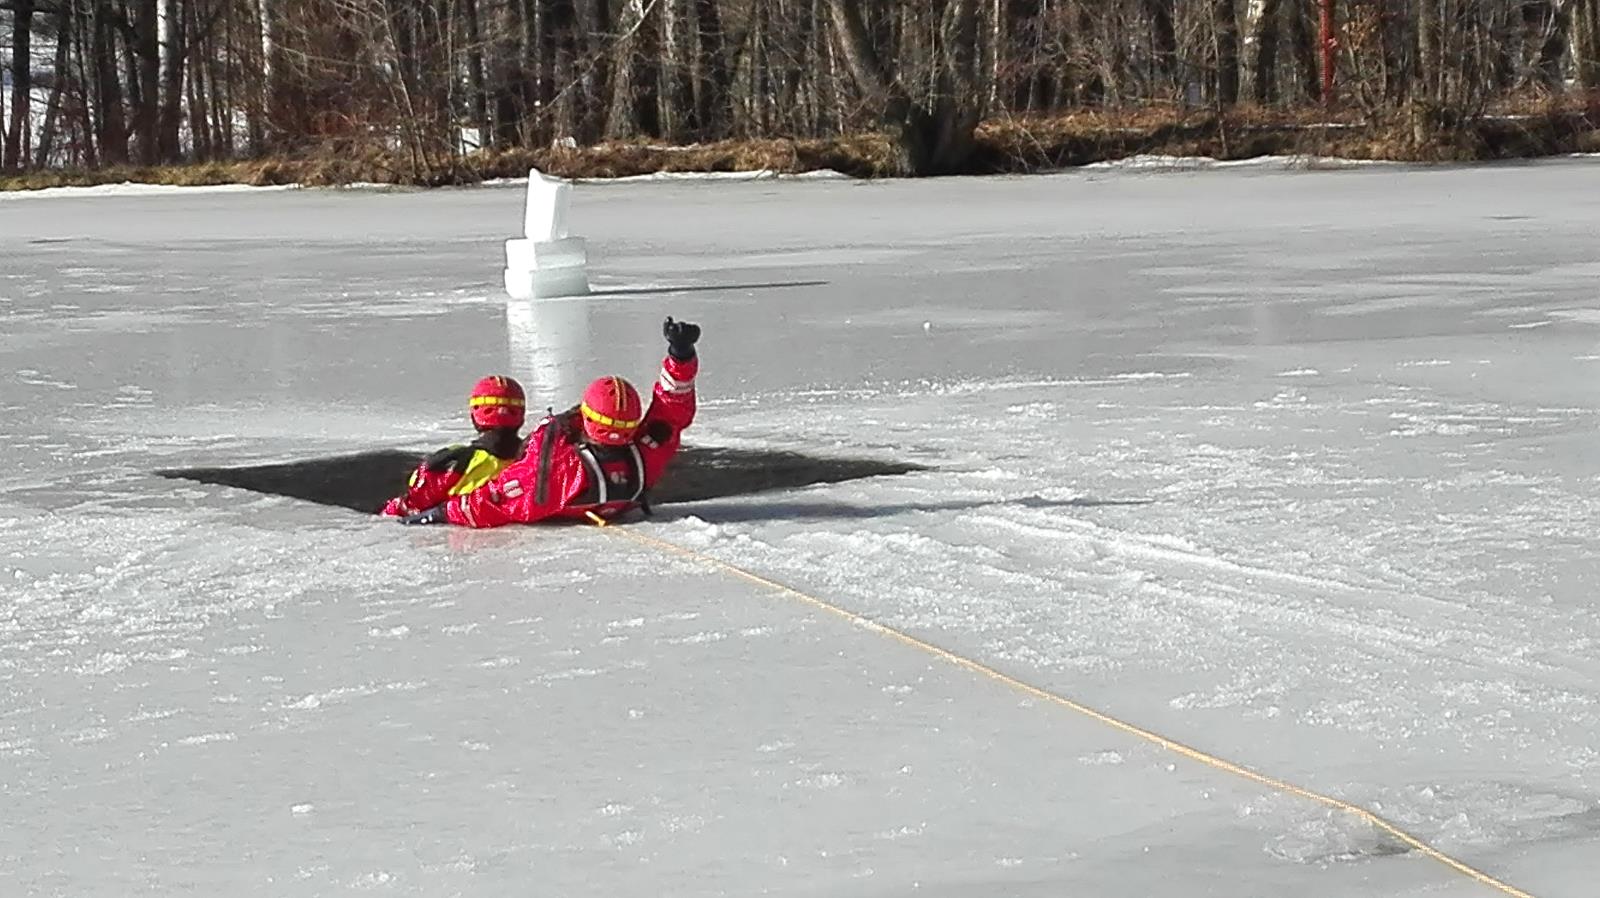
(681, 337)
(434, 515)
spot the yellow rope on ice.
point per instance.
(1172, 745)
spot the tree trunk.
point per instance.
(17, 149)
(534, 70)
(63, 68)
(795, 47)
(713, 79)
(758, 94)
(221, 121)
(1163, 40)
(1586, 44)
(113, 124)
(86, 83)
(1395, 33)
(935, 136)
(1428, 94)
(830, 115)
(1428, 74)
(991, 53)
(1225, 27)
(171, 33)
(258, 104)
(1264, 21)
(591, 101)
(195, 89)
(1554, 43)
(633, 109)
(675, 89)
(478, 99)
(1303, 45)
(144, 80)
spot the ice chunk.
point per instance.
(530, 255)
(549, 199)
(545, 261)
(546, 284)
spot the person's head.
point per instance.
(497, 403)
(611, 412)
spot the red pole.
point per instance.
(1329, 45)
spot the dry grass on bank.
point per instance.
(1005, 145)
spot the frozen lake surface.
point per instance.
(1297, 468)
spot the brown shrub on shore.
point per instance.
(1012, 145)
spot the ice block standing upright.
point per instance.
(545, 261)
(545, 215)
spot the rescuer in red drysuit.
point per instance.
(498, 407)
(599, 458)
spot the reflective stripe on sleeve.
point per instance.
(673, 385)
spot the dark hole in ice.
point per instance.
(364, 481)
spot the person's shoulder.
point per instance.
(450, 458)
(566, 426)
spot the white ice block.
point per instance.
(545, 261)
(545, 217)
(546, 283)
(523, 254)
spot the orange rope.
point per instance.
(1134, 730)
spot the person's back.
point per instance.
(600, 458)
(498, 408)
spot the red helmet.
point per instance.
(611, 411)
(497, 402)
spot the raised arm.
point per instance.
(673, 401)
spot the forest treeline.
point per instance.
(425, 83)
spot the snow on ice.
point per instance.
(1268, 461)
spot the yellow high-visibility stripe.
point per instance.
(496, 400)
(606, 421)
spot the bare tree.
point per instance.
(1551, 40)
(633, 109)
(172, 35)
(1585, 48)
(1163, 40)
(478, 91)
(713, 80)
(933, 129)
(1225, 25)
(1261, 40)
(17, 130)
(393, 81)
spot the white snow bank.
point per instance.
(129, 188)
(763, 174)
(1151, 162)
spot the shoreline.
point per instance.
(1149, 139)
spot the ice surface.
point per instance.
(1271, 462)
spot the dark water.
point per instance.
(364, 481)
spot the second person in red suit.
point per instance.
(600, 458)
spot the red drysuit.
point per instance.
(456, 470)
(583, 477)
